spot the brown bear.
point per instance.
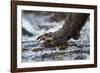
(71, 29)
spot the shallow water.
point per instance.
(33, 52)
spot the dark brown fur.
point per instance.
(71, 29)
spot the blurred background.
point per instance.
(36, 23)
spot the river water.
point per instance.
(40, 24)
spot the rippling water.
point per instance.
(39, 24)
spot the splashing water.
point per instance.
(37, 25)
